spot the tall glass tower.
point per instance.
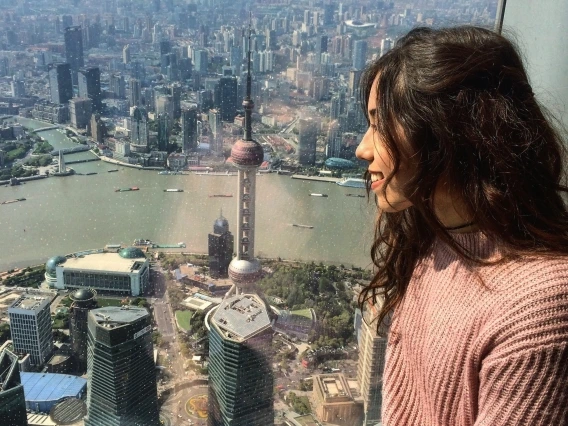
(240, 330)
(120, 368)
(12, 400)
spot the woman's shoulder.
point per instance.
(531, 302)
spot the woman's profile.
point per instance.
(471, 239)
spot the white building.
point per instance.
(30, 327)
(125, 273)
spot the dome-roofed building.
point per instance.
(50, 269)
(125, 273)
(83, 301)
(131, 253)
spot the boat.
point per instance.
(313, 194)
(355, 195)
(302, 226)
(169, 172)
(13, 201)
(220, 195)
(173, 190)
(142, 242)
(90, 173)
(112, 170)
(134, 188)
(353, 182)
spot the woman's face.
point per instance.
(373, 149)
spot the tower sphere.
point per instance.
(247, 153)
(245, 272)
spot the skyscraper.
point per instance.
(189, 129)
(120, 365)
(216, 126)
(139, 130)
(135, 92)
(60, 83)
(30, 326)
(83, 301)
(117, 85)
(227, 98)
(80, 111)
(221, 243)
(126, 54)
(240, 376)
(175, 92)
(372, 349)
(359, 54)
(74, 49)
(307, 141)
(12, 399)
(89, 81)
(163, 131)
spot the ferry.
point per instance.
(13, 201)
(318, 195)
(302, 226)
(355, 195)
(169, 172)
(173, 190)
(220, 195)
(112, 170)
(353, 182)
(134, 188)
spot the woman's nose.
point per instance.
(365, 149)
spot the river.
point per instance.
(66, 214)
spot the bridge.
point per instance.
(43, 129)
(80, 148)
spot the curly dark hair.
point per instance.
(471, 119)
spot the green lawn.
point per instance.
(183, 318)
(103, 303)
(303, 313)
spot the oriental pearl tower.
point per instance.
(247, 155)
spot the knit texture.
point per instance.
(483, 346)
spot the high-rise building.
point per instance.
(117, 86)
(175, 92)
(120, 367)
(372, 349)
(126, 57)
(98, 128)
(227, 98)
(200, 61)
(80, 111)
(60, 83)
(216, 127)
(74, 49)
(354, 76)
(18, 88)
(89, 81)
(386, 45)
(83, 301)
(333, 148)
(221, 243)
(30, 326)
(359, 54)
(139, 130)
(135, 92)
(240, 331)
(189, 129)
(163, 131)
(12, 399)
(307, 139)
(165, 105)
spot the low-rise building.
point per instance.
(124, 273)
(334, 402)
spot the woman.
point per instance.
(472, 234)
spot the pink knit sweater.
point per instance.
(463, 354)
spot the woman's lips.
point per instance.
(376, 184)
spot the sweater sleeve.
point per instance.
(523, 379)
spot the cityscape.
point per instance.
(231, 100)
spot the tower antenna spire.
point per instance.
(248, 104)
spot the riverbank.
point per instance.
(316, 178)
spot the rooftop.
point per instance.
(241, 316)
(114, 316)
(111, 262)
(31, 302)
(50, 386)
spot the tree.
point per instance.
(4, 332)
